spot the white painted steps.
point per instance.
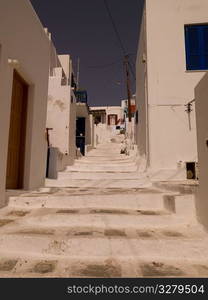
(106, 168)
(119, 201)
(91, 257)
(86, 239)
(33, 266)
(103, 176)
(105, 183)
(108, 247)
(100, 218)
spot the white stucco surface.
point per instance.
(58, 113)
(30, 47)
(117, 110)
(164, 134)
(201, 96)
(102, 131)
(61, 114)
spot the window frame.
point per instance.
(202, 67)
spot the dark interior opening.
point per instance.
(191, 170)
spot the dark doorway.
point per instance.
(80, 134)
(17, 134)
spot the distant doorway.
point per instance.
(17, 134)
(112, 119)
(80, 134)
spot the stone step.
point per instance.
(112, 163)
(116, 201)
(33, 266)
(105, 153)
(96, 210)
(83, 162)
(100, 171)
(118, 168)
(125, 183)
(186, 187)
(117, 159)
(81, 191)
(102, 176)
(139, 232)
(181, 204)
(103, 217)
(96, 248)
(100, 218)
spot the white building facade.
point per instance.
(24, 67)
(107, 119)
(61, 113)
(109, 115)
(168, 68)
(201, 95)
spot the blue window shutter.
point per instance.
(204, 46)
(196, 37)
(193, 47)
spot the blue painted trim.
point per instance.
(200, 52)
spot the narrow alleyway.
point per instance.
(99, 219)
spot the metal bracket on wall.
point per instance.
(189, 106)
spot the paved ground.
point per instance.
(101, 218)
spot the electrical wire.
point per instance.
(106, 66)
(110, 64)
(132, 65)
(118, 36)
(115, 27)
(132, 70)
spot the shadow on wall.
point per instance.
(201, 203)
(57, 162)
(88, 132)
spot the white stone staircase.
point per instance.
(97, 220)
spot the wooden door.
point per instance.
(112, 119)
(17, 134)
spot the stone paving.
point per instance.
(101, 218)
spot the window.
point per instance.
(81, 96)
(112, 119)
(196, 38)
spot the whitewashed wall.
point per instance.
(163, 134)
(61, 113)
(142, 128)
(72, 131)
(22, 37)
(201, 98)
(102, 134)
